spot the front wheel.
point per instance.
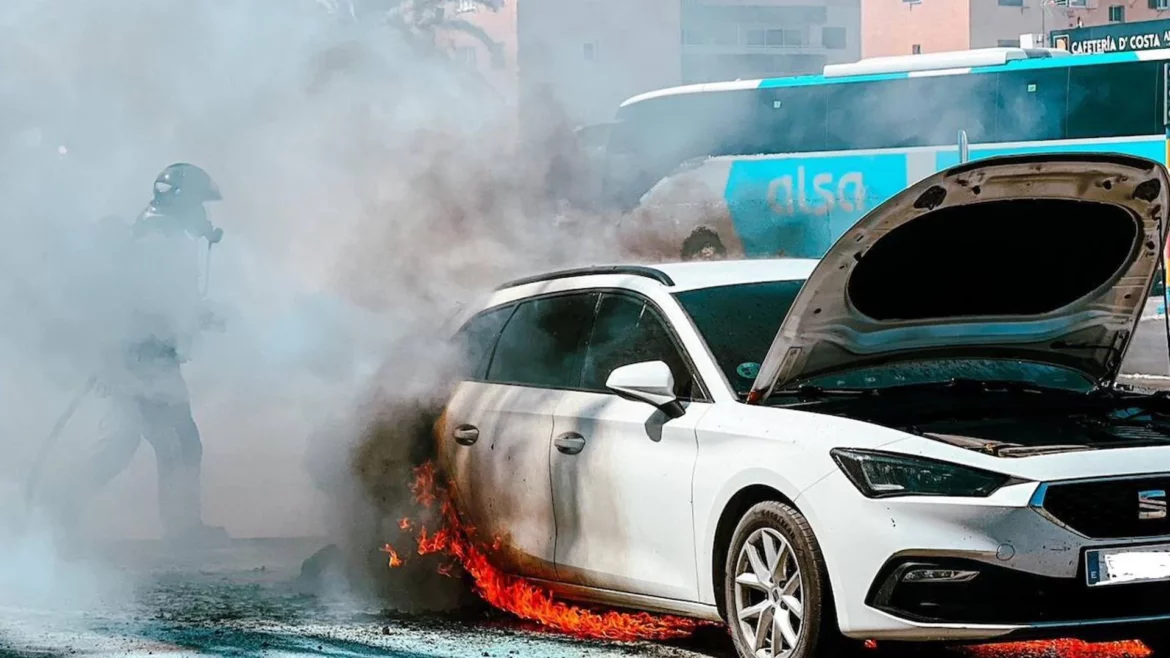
(776, 587)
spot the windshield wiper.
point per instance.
(969, 385)
(809, 391)
(957, 384)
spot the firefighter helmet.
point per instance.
(183, 184)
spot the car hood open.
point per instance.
(1045, 259)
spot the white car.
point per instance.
(917, 438)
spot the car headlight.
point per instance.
(885, 475)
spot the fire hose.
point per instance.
(34, 475)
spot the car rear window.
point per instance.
(739, 322)
(476, 339)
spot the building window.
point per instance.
(725, 35)
(589, 51)
(465, 55)
(833, 37)
(756, 37)
(1008, 43)
(1011, 3)
(1117, 13)
(916, 49)
(466, 6)
(1160, 4)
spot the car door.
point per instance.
(622, 470)
(496, 434)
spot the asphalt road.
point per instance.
(1148, 352)
(243, 601)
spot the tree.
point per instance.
(421, 21)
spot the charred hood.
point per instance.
(1043, 258)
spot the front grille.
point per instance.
(1108, 509)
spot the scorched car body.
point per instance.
(916, 438)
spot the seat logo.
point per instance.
(1152, 504)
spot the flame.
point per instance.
(395, 561)
(533, 603)
(1061, 648)
(516, 595)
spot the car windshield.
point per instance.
(941, 371)
(738, 322)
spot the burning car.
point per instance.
(917, 438)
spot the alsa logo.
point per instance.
(790, 196)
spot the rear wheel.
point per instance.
(776, 588)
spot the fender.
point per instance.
(705, 547)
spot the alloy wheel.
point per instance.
(769, 595)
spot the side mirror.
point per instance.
(650, 382)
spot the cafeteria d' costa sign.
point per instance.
(1118, 37)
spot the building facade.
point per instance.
(725, 40)
(589, 55)
(484, 39)
(904, 27)
(1087, 13)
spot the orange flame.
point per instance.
(395, 561)
(518, 596)
(533, 603)
(1061, 648)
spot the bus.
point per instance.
(784, 166)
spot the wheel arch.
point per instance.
(733, 511)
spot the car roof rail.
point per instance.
(631, 270)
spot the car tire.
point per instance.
(791, 614)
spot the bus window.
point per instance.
(872, 115)
(791, 120)
(953, 103)
(1031, 105)
(1114, 100)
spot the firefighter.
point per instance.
(703, 244)
(144, 385)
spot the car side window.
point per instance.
(541, 345)
(476, 339)
(628, 330)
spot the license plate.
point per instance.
(1136, 564)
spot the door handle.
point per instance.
(466, 435)
(570, 443)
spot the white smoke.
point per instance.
(369, 187)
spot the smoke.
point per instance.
(370, 187)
